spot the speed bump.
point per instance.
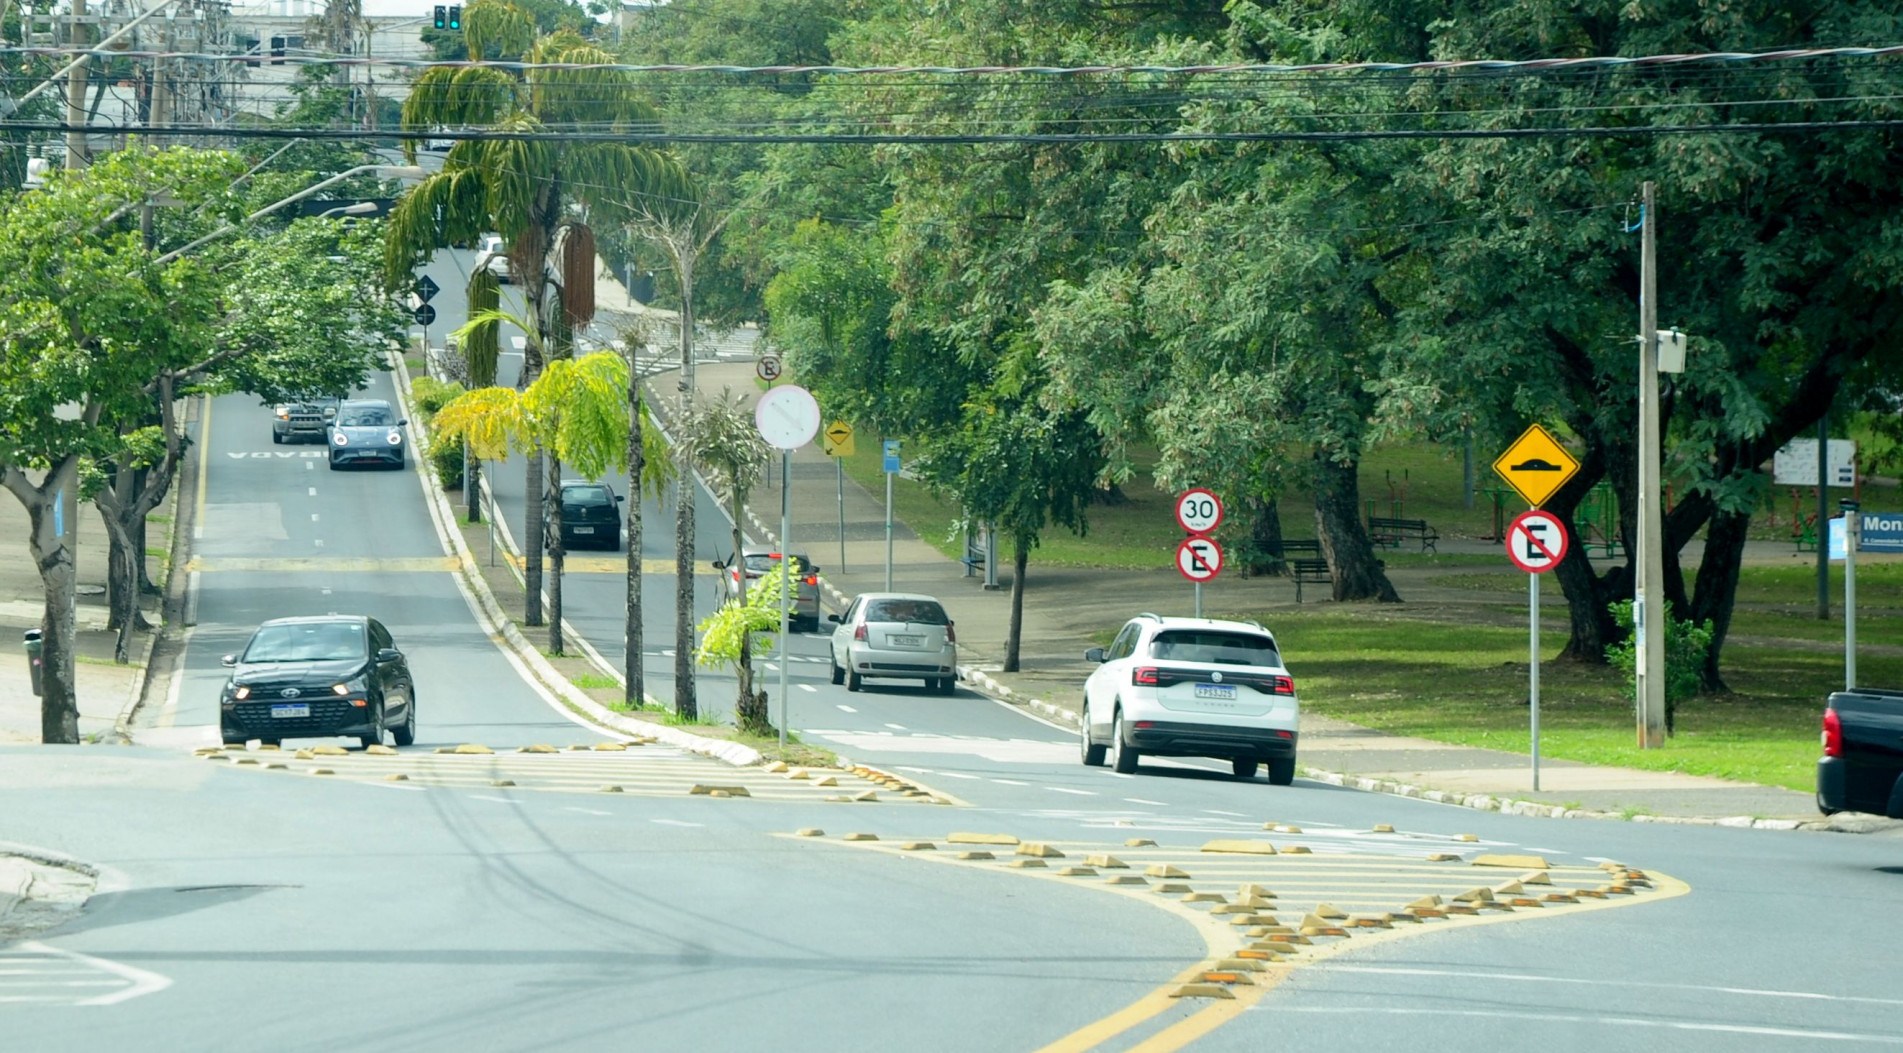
(967, 838)
(703, 789)
(862, 837)
(1040, 850)
(1164, 870)
(1107, 862)
(1203, 990)
(1516, 862)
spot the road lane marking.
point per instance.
(896, 727)
(1010, 782)
(1066, 789)
(1143, 800)
(325, 565)
(808, 687)
(313, 491)
(484, 797)
(131, 981)
(1581, 981)
(959, 775)
(674, 822)
(846, 709)
(588, 811)
(1240, 815)
(313, 517)
(1612, 1021)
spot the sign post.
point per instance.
(1199, 558)
(788, 418)
(1852, 528)
(891, 456)
(836, 440)
(1536, 542)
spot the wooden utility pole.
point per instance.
(76, 92)
(1648, 611)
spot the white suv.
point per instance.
(1191, 687)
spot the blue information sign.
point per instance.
(891, 455)
(1882, 532)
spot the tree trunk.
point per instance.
(1589, 596)
(59, 703)
(750, 708)
(122, 577)
(1263, 552)
(472, 496)
(1358, 574)
(532, 540)
(1716, 590)
(1020, 556)
(557, 555)
(684, 701)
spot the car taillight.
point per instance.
(1833, 734)
(951, 634)
(859, 632)
(1282, 685)
(1143, 676)
(812, 579)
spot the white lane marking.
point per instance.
(809, 687)
(313, 491)
(588, 811)
(394, 786)
(1478, 974)
(1010, 782)
(1237, 815)
(959, 775)
(896, 727)
(482, 797)
(673, 822)
(846, 709)
(1545, 851)
(320, 542)
(139, 981)
(916, 771)
(1613, 1021)
(313, 517)
(1066, 789)
(1140, 800)
(310, 466)
(772, 668)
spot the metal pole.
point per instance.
(1648, 610)
(888, 531)
(1853, 531)
(1533, 675)
(75, 93)
(1199, 599)
(789, 581)
(839, 468)
(1823, 518)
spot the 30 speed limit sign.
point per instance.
(1198, 511)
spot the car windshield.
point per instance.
(586, 496)
(1214, 648)
(366, 417)
(911, 612)
(306, 642)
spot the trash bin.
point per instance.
(33, 657)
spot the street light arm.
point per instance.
(395, 171)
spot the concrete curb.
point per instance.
(1477, 801)
(498, 624)
(179, 552)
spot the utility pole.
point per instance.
(1648, 610)
(76, 92)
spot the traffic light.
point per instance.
(442, 17)
(456, 17)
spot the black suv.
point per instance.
(313, 677)
(591, 515)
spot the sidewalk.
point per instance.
(1065, 608)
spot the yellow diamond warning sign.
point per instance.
(1536, 465)
(836, 439)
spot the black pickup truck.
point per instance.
(1862, 766)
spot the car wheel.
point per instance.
(333, 464)
(232, 737)
(853, 682)
(1091, 752)
(271, 742)
(276, 439)
(839, 675)
(405, 733)
(375, 737)
(1245, 767)
(1282, 771)
(1122, 756)
(947, 684)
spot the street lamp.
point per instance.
(385, 170)
(359, 208)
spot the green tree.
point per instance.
(533, 192)
(721, 437)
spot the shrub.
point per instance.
(1685, 647)
(446, 459)
(431, 395)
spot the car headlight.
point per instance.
(337, 436)
(395, 438)
(241, 693)
(355, 685)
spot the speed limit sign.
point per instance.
(1199, 511)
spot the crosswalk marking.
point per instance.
(37, 973)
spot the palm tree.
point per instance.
(536, 193)
(722, 438)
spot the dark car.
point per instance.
(591, 515)
(804, 613)
(303, 419)
(367, 431)
(314, 677)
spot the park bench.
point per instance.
(1309, 571)
(1311, 549)
(1391, 532)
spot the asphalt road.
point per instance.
(285, 908)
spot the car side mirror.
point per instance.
(389, 654)
(833, 618)
(1095, 654)
(718, 564)
(403, 423)
(230, 659)
(619, 498)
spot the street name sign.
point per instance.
(1198, 511)
(1536, 465)
(1199, 559)
(1536, 541)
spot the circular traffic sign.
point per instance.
(787, 417)
(1199, 558)
(426, 315)
(768, 368)
(1199, 511)
(1536, 541)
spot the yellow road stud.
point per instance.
(1383, 828)
(1231, 845)
(1107, 862)
(811, 831)
(862, 837)
(1164, 870)
(966, 838)
(1139, 842)
(917, 846)
(976, 855)
(1040, 850)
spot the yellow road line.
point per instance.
(573, 564)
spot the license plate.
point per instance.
(298, 710)
(584, 530)
(902, 640)
(1227, 691)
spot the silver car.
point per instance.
(895, 634)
